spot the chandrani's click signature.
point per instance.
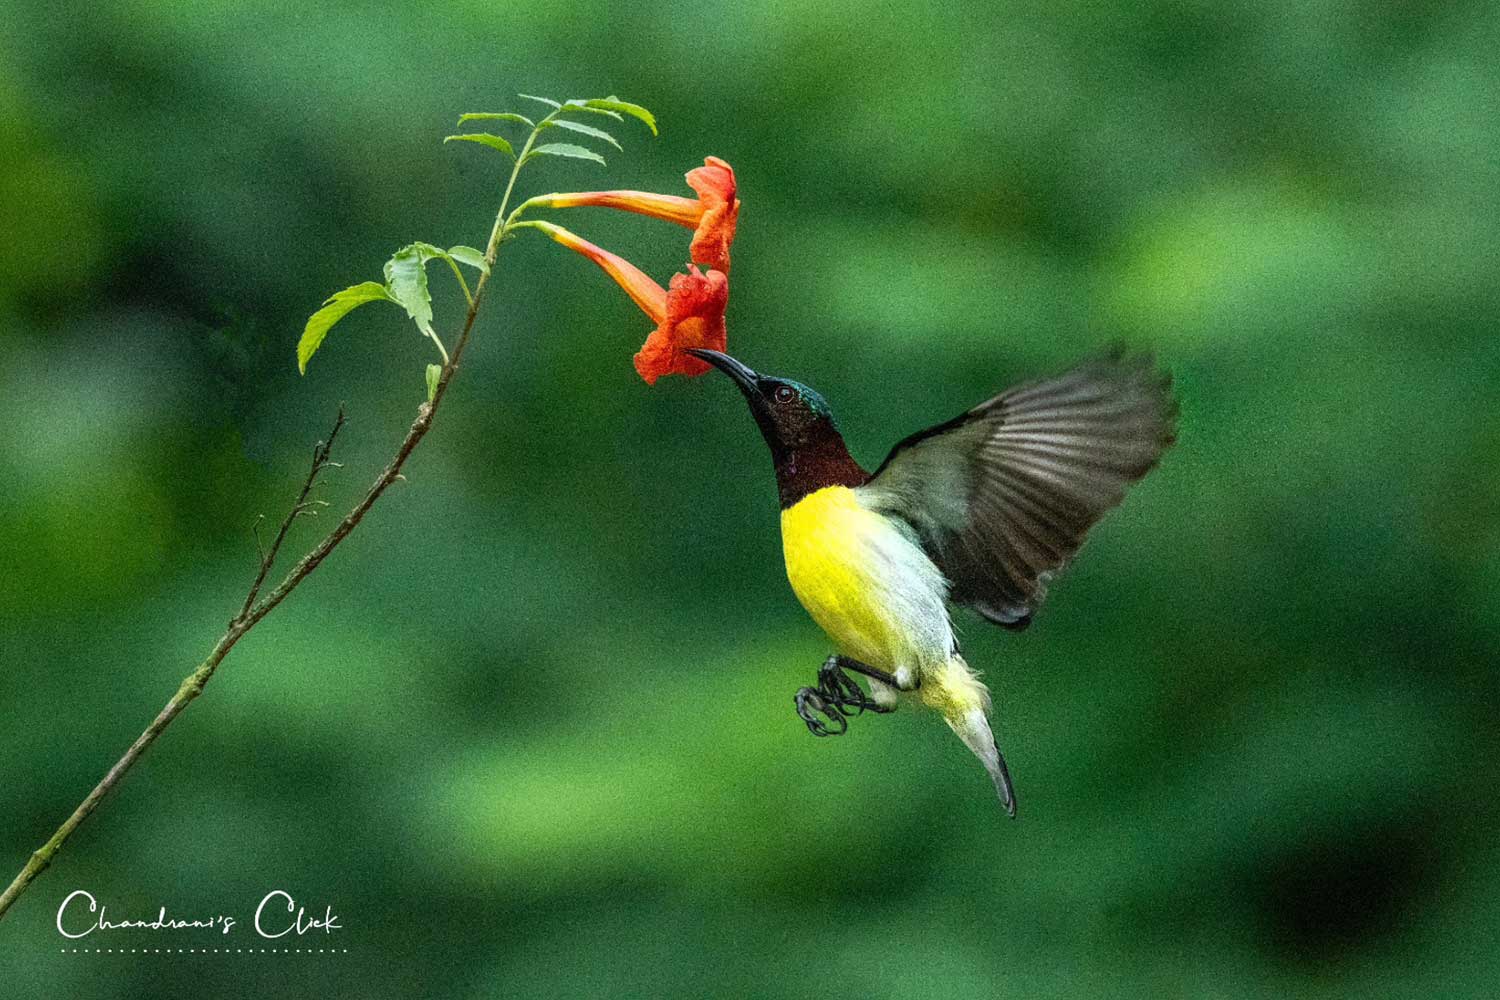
(278, 915)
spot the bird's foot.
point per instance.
(843, 691)
(811, 705)
(827, 708)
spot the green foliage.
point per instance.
(406, 282)
(460, 254)
(565, 149)
(613, 103)
(611, 107)
(434, 372)
(502, 116)
(597, 133)
(582, 107)
(336, 308)
(468, 255)
(484, 139)
(541, 100)
(406, 274)
(405, 285)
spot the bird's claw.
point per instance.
(810, 703)
(840, 690)
(838, 697)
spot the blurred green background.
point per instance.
(530, 731)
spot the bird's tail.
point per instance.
(956, 691)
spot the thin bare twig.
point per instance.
(320, 461)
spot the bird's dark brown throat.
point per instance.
(806, 447)
(818, 464)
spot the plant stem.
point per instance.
(251, 611)
(468, 296)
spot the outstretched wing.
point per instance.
(1002, 496)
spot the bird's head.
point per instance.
(798, 426)
(791, 416)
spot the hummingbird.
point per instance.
(980, 511)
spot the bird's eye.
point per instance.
(785, 394)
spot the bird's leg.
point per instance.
(904, 681)
(838, 696)
(843, 691)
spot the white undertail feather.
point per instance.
(956, 690)
(974, 729)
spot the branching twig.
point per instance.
(320, 461)
(251, 612)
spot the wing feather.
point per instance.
(1003, 496)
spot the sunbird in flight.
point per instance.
(980, 511)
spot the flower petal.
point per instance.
(715, 184)
(695, 318)
(714, 181)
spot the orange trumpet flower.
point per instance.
(688, 313)
(712, 215)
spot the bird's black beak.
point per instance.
(743, 376)
(749, 383)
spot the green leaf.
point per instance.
(499, 116)
(470, 256)
(589, 130)
(613, 103)
(336, 308)
(464, 255)
(493, 141)
(581, 106)
(406, 281)
(540, 100)
(566, 149)
(433, 371)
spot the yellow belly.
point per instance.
(868, 586)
